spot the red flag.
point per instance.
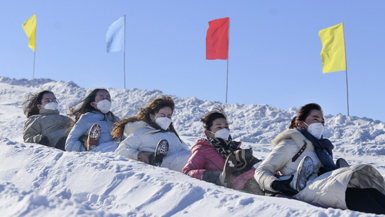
(217, 39)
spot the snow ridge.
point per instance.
(36, 180)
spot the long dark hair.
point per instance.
(86, 107)
(144, 115)
(303, 113)
(30, 105)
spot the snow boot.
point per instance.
(229, 168)
(161, 151)
(304, 170)
(93, 137)
(342, 163)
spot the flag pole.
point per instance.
(346, 64)
(227, 76)
(34, 56)
(124, 53)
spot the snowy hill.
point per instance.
(41, 181)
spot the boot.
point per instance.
(160, 152)
(342, 163)
(93, 137)
(304, 170)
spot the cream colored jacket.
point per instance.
(327, 189)
(142, 137)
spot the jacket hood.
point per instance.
(292, 134)
(131, 127)
(48, 112)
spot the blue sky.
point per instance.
(274, 52)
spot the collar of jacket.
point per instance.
(207, 142)
(48, 112)
(131, 127)
(292, 134)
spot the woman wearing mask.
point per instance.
(45, 125)
(93, 124)
(220, 160)
(301, 154)
(151, 136)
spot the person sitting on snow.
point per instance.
(93, 124)
(151, 137)
(44, 124)
(220, 160)
(302, 154)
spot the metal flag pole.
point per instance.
(34, 56)
(346, 64)
(124, 53)
(227, 75)
(227, 78)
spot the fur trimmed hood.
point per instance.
(292, 134)
(134, 126)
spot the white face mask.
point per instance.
(104, 106)
(223, 134)
(316, 129)
(51, 106)
(163, 122)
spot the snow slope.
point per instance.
(39, 181)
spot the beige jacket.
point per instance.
(142, 137)
(48, 123)
(327, 189)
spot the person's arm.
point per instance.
(195, 166)
(275, 161)
(129, 147)
(80, 128)
(32, 130)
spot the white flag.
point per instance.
(115, 36)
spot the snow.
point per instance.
(40, 181)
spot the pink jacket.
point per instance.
(205, 157)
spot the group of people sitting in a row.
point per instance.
(300, 165)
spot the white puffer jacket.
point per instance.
(142, 137)
(83, 126)
(327, 189)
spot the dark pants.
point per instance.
(367, 200)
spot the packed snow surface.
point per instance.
(40, 181)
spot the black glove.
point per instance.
(44, 140)
(283, 186)
(212, 176)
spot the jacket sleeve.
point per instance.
(129, 147)
(195, 166)
(80, 128)
(274, 162)
(32, 130)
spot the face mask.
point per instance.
(223, 134)
(316, 129)
(51, 106)
(163, 122)
(104, 106)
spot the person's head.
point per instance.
(308, 114)
(159, 108)
(98, 100)
(157, 114)
(38, 101)
(215, 121)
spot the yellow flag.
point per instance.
(333, 49)
(29, 27)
